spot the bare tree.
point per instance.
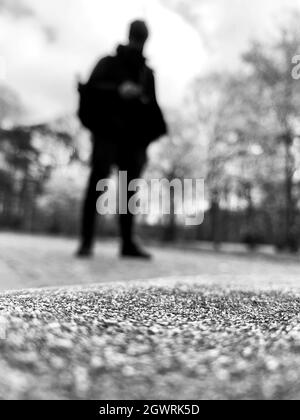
(178, 156)
(272, 66)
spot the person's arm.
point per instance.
(150, 88)
(101, 81)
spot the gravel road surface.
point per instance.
(178, 340)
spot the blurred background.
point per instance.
(224, 71)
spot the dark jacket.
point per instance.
(139, 121)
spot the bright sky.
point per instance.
(43, 54)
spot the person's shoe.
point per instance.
(84, 253)
(133, 251)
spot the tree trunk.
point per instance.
(171, 231)
(215, 220)
(289, 199)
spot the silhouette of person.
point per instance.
(119, 106)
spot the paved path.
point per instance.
(33, 262)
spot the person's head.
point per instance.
(138, 35)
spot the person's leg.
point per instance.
(133, 165)
(89, 214)
(100, 170)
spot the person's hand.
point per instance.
(129, 90)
